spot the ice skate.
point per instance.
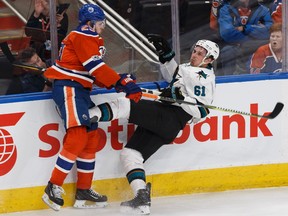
(89, 199)
(53, 196)
(140, 204)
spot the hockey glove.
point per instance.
(162, 47)
(172, 92)
(130, 77)
(127, 84)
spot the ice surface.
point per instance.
(255, 202)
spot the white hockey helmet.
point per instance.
(211, 48)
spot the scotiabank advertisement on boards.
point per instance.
(31, 134)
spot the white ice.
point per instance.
(254, 202)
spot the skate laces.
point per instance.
(58, 191)
(94, 193)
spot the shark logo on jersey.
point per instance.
(202, 74)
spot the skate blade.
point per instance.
(51, 204)
(82, 204)
(141, 210)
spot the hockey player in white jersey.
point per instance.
(160, 122)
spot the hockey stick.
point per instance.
(5, 49)
(29, 67)
(150, 95)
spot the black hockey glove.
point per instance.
(162, 47)
(172, 92)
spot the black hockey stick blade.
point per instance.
(276, 111)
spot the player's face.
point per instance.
(36, 61)
(45, 5)
(197, 56)
(276, 40)
(99, 26)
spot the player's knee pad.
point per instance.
(92, 142)
(131, 159)
(75, 140)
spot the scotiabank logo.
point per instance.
(8, 150)
(214, 128)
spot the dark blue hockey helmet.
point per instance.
(90, 12)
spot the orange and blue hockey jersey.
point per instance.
(265, 60)
(277, 11)
(80, 60)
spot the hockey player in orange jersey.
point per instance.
(78, 67)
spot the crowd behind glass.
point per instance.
(249, 33)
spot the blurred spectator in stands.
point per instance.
(40, 20)
(243, 26)
(276, 11)
(268, 58)
(214, 14)
(29, 78)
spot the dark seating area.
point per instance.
(5, 74)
